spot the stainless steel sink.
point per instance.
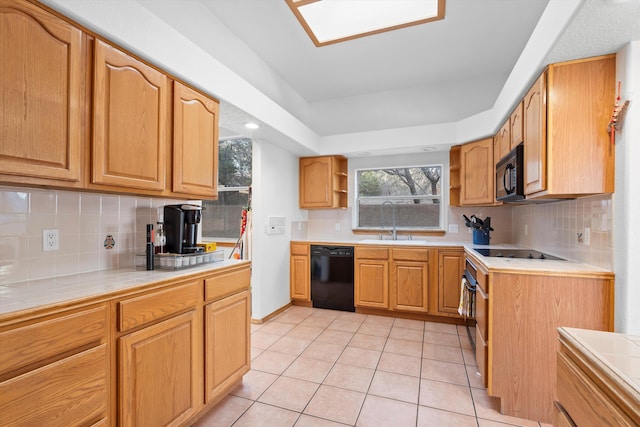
(394, 242)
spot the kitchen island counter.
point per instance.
(534, 266)
(598, 377)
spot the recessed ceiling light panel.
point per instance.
(332, 21)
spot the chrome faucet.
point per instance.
(394, 235)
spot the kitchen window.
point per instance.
(410, 195)
(221, 218)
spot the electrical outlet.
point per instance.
(586, 237)
(526, 229)
(50, 240)
(453, 228)
(337, 226)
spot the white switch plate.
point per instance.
(453, 228)
(587, 236)
(526, 229)
(50, 240)
(337, 226)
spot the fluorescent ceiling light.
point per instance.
(332, 21)
(251, 125)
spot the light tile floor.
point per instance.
(325, 368)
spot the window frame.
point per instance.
(222, 189)
(399, 228)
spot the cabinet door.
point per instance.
(41, 93)
(372, 283)
(535, 139)
(410, 286)
(300, 278)
(517, 122)
(502, 144)
(195, 142)
(227, 343)
(158, 383)
(478, 172)
(70, 392)
(450, 268)
(130, 120)
(315, 182)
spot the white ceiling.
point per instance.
(440, 72)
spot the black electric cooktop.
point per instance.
(516, 253)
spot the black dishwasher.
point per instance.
(332, 277)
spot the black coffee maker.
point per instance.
(181, 227)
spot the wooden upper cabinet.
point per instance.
(502, 142)
(323, 182)
(516, 122)
(131, 110)
(535, 128)
(195, 142)
(42, 93)
(478, 173)
(568, 152)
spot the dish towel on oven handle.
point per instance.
(464, 307)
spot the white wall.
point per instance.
(627, 197)
(275, 193)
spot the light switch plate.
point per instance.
(453, 228)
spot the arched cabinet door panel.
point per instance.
(195, 142)
(131, 111)
(41, 95)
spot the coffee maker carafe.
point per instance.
(181, 228)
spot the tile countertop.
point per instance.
(616, 355)
(514, 265)
(53, 291)
(511, 265)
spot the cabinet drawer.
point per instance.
(29, 344)
(226, 284)
(410, 254)
(483, 281)
(482, 305)
(482, 357)
(372, 253)
(583, 400)
(69, 392)
(146, 308)
(299, 249)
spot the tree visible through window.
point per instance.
(221, 218)
(414, 194)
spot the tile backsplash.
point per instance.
(83, 221)
(559, 228)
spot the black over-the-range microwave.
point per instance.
(510, 176)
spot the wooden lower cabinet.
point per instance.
(523, 314)
(158, 373)
(371, 277)
(69, 392)
(54, 371)
(227, 343)
(450, 269)
(593, 388)
(137, 358)
(300, 276)
(410, 279)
